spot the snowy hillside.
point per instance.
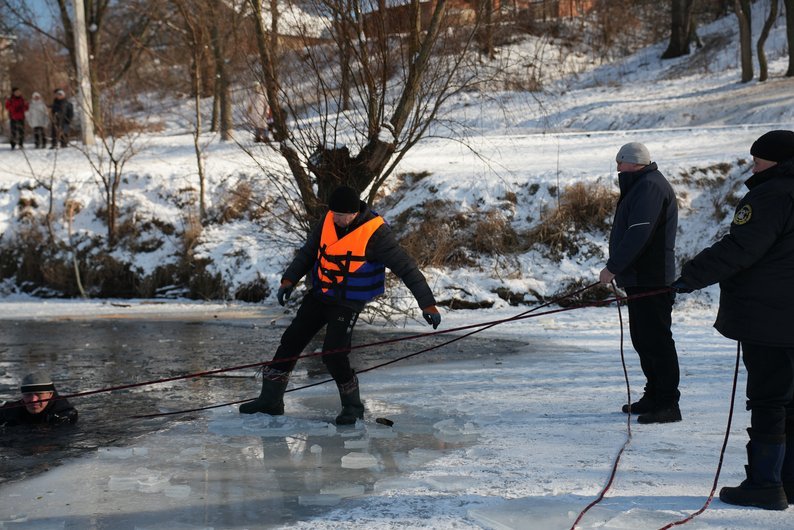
(516, 428)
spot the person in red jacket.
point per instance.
(16, 107)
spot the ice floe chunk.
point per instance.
(359, 461)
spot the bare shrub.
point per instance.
(583, 206)
(436, 238)
(494, 235)
(236, 202)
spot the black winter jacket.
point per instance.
(57, 412)
(382, 248)
(642, 240)
(754, 263)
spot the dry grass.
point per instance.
(582, 207)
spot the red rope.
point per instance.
(722, 451)
(484, 326)
(626, 443)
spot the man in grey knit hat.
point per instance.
(40, 404)
(642, 260)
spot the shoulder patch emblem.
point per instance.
(742, 215)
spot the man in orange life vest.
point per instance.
(347, 253)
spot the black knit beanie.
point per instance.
(775, 146)
(344, 200)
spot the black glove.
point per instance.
(284, 292)
(432, 316)
(680, 286)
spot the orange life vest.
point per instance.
(342, 271)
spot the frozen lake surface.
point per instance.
(514, 428)
(213, 469)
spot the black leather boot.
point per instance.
(645, 404)
(352, 408)
(271, 399)
(763, 487)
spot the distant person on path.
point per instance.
(260, 114)
(62, 115)
(16, 107)
(38, 404)
(38, 118)
(347, 254)
(754, 265)
(641, 260)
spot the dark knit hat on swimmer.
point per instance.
(37, 382)
(344, 200)
(775, 146)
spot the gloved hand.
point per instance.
(680, 286)
(284, 291)
(432, 316)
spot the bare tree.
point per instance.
(118, 143)
(485, 12)
(397, 94)
(789, 5)
(681, 28)
(743, 13)
(763, 68)
(194, 33)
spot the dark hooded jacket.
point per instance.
(754, 262)
(642, 240)
(381, 248)
(57, 412)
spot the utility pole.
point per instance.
(84, 82)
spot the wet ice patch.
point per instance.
(121, 452)
(319, 499)
(456, 431)
(232, 423)
(343, 490)
(143, 480)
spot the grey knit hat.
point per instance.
(37, 382)
(634, 153)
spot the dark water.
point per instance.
(85, 355)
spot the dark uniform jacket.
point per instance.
(642, 240)
(58, 411)
(754, 263)
(381, 248)
(62, 113)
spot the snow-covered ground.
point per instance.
(524, 440)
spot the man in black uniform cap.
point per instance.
(754, 264)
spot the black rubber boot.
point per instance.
(787, 471)
(763, 487)
(352, 408)
(271, 399)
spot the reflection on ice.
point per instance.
(223, 469)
